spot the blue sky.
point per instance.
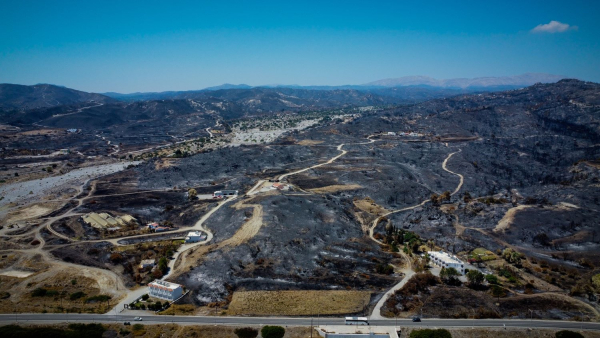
(128, 46)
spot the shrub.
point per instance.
(429, 333)
(568, 334)
(492, 279)
(272, 332)
(246, 332)
(76, 295)
(385, 269)
(98, 298)
(116, 257)
(137, 327)
(39, 292)
(145, 297)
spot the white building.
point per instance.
(165, 290)
(194, 236)
(445, 260)
(146, 263)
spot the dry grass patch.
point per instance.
(335, 188)
(309, 142)
(297, 303)
(179, 310)
(369, 206)
(165, 163)
(59, 288)
(33, 211)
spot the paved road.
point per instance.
(196, 320)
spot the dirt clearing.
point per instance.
(32, 211)
(509, 218)
(249, 229)
(369, 206)
(16, 273)
(298, 303)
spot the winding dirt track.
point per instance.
(407, 271)
(462, 179)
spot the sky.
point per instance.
(141, 46)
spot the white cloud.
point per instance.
(553, 27)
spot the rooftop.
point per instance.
(445, 257)
(161, 284)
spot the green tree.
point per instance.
(475, 278)
(498, 291)
(272, 332)
(512, 256)
(163, 265)
(491, 279)
(450, 276)
(246, 332)
(145, 296)
(568, 334)
(192, 194)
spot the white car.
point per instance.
(138, 319)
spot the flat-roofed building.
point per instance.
(446, 260)
(165, 290)
(194, 236)
(146, 263)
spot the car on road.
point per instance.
(127, 323)
(416, 319)
(138, 319)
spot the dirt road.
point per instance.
(408, 272)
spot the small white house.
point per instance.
(445, 260)
(194, 237)
(165, 290)
(146, 263)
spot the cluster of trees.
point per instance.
(512, 256)
(568, 334)
(450, 276)
(475, 278)
(265, 332)
(157, 306)
(395, 237)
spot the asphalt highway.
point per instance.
(49, 318)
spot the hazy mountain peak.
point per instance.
(526, 79)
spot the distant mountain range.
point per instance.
(14, 96)
(522, 80)
(388, 91)
(449, 86)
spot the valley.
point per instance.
(340, 199)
